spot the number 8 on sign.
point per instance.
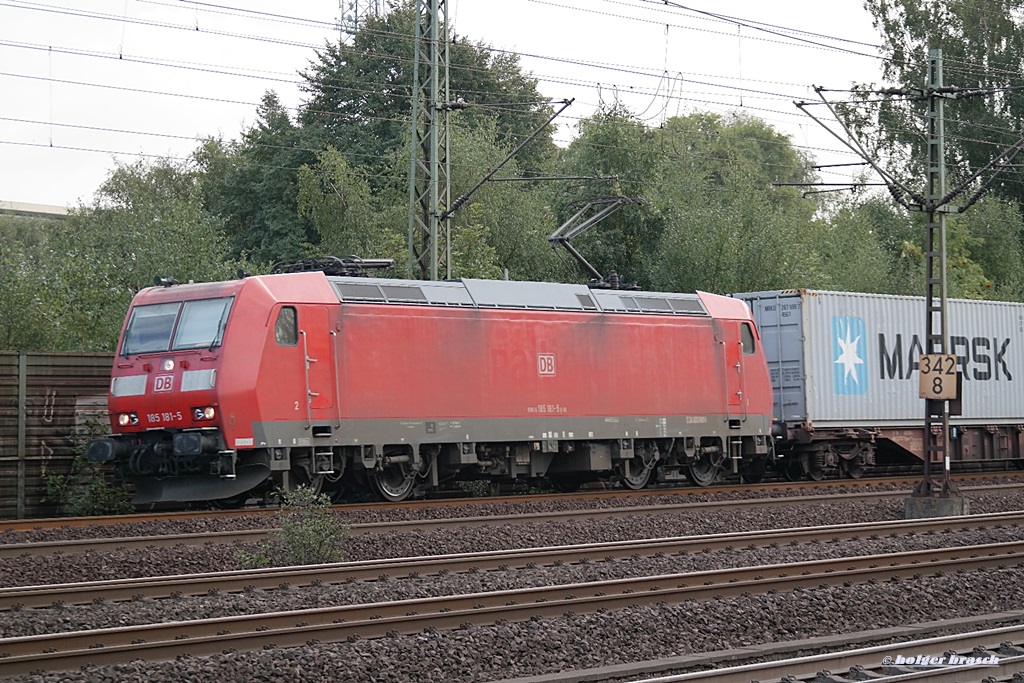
(938, 376)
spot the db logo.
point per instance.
(546, 363)
(163, 382)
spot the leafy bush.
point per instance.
(308, 533)
(87, 490)
(477, 488)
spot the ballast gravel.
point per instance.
(188, 559)
(578, 641)
(475, 508)
(541, 645)
(62, 617)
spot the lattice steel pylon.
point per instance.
(354, 13)
(936, 414)
(429, 171)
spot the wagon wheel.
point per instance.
(703, 471)
(793, 469)
(639, 475)
(854, 467)
(752, 471)
(816, 473)
(394, 482)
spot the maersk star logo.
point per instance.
(849, 367)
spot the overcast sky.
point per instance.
(83, 84)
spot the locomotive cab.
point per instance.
(164, 409)
(198, 365)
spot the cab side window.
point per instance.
(286, 329)
(747, 339)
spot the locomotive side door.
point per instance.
(315, 339)
(737, 340)
(304, 360)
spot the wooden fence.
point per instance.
(48, 403)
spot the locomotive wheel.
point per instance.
(394, 483)
(702, 471)
(752, 471)
(566, 483)
(638, 477)
(300, 477)
(233, 503)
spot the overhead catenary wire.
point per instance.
(625, 71)
(625, 68)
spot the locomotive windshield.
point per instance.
(191, 324)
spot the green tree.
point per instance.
(614, 144)
(997, 228)
(251, 185)
(337, 199)
(982, 46)
(877, 236)
(728, 227)
(717, 214)
(360, 94)
(70, 291)
(981, 249)
(26, 323)
(25, 229)
(504, 225)
(982, 43)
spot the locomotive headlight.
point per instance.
(167, 364)
(126, 419)
(204, 413)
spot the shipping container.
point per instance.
(841, 359)
(846, 381)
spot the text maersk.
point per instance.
(979, 358)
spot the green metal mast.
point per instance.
(429, 172)
(355, 12)
(936, 418)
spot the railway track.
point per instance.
(335, 624)
(843, 663)
(519, 499)
(8, 550)
(268, 579)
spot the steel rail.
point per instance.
(73, 547)
(17, 525)
(294, 628)
(836, 652)
(369, 570)
(867, 662)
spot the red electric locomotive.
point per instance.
(221, 390)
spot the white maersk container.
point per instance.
(851, 360)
